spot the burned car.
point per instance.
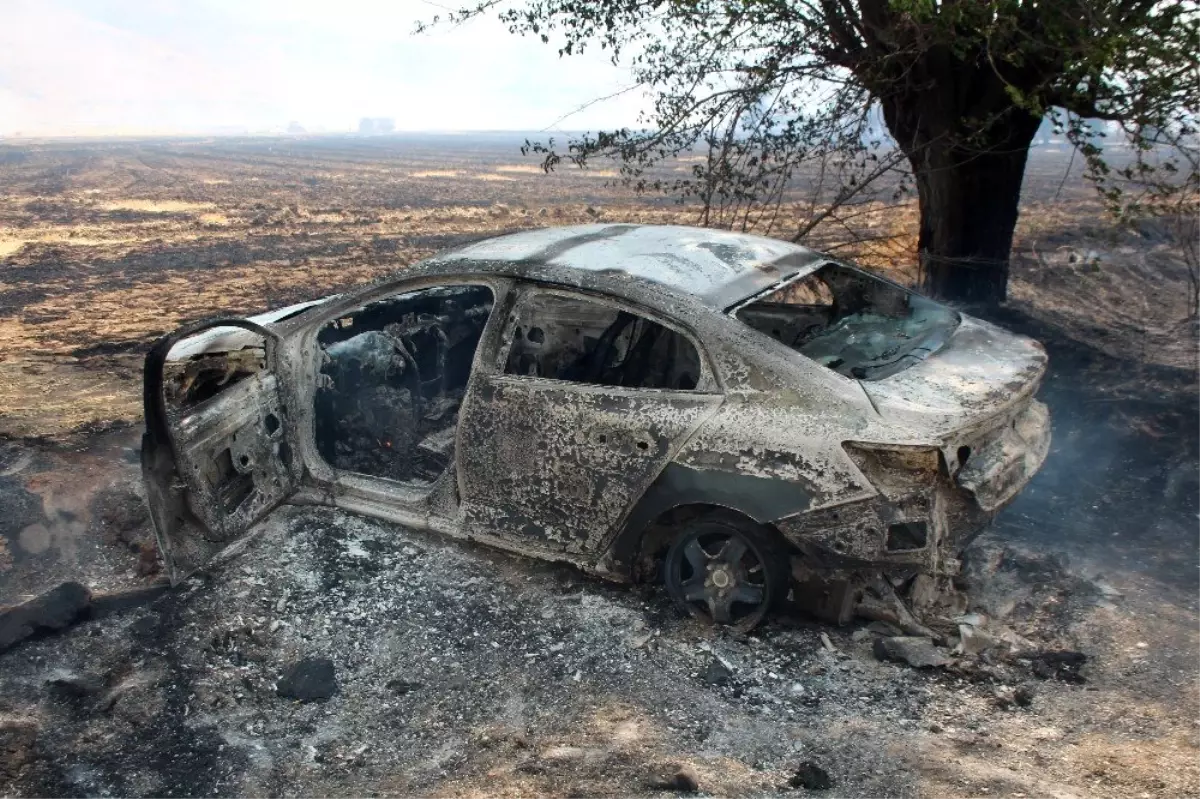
(731, 414)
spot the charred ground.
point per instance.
(463, 671)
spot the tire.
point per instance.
(726, 569)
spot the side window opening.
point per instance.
(191, 380)
(580, 341)
(393, 376)
(851, 322)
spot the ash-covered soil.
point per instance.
(461, 671)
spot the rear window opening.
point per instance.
(576, 340)
(855, 324)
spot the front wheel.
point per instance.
(726, 570)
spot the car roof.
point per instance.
(719, 267)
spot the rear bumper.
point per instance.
(916, 498)
(1004, 461)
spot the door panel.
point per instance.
(559, 464)
(216, 456)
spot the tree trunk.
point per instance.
(968, 178)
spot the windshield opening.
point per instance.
(851, 322)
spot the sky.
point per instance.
(103, 67)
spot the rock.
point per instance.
(1003, 696)
(310, 680)
(1023, 696)
(811, 777)
(884, 628)
(402, 687)
(973, 641)
(53, 610)
(682, 780)
(18, 734)
(72, 685)
(1063, 665)
(717, 673)
(914, 650)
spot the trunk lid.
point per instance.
(975, 397)
(981, 373)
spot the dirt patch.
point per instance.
(51, 396)
(155, 206)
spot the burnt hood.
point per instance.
(979, 372)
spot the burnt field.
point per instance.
(461, 671)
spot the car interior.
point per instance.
(578, 340)
(853, 323)
(392, 380)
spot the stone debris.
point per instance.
(811, 777)
(917, 652)
(1062, 665)
(74, 685)
(1007, 696)
(717, 673)
(53, 610)
(310, 680)
(683, 780)
(973, 641)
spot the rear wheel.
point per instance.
(726, 570)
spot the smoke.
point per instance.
(1120, 489)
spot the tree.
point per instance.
(765, 86)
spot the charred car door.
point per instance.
(584, 404)
(215, 455)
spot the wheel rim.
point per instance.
(719, 576)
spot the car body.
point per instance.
(580, 393)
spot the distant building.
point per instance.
(376, 125)
(295, 127)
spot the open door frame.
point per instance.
(214, 470)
